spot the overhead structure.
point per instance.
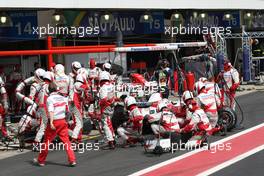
(135, 4)
(160, 47)
(246, 48)
(99, 48)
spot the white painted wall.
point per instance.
(136, 4)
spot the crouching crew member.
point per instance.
(198, 121)
(167, 121)
(131, 130)
(208, 102)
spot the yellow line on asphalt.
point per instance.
(91, 137)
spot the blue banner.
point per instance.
(22, 28)
(214, 19)
(127, 22)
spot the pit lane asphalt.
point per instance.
(123, 161)
(253, 165)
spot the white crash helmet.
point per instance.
(39, 74)
(49, 76)
(59, 69)
(104, 75)
(155, 98)
(107, 66)
(197, 87)
(76, 66)
(130, 101)
(203, 79)
(187, 95)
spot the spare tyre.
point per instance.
(227, 117)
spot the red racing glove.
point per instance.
(234, 87)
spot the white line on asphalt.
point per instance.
(232, 161)
(11, 153)
(164, 163)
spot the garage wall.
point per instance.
(119, 59)
(136, 4)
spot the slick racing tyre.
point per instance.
(227, 117)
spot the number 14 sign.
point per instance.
(22, 26)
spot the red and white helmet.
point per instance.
(92, 63)
(59, 69)
(104, 75)
(198, 86)
(187, 95)
(39, 74)
(76, 66)
(203, 79)
(130, 101)
(227, 62)
(155, 98)
(49, 76)
(52, 66)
